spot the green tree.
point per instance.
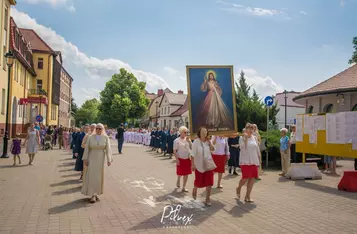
(354, 55)
(88, 112)
(250, 107)
(74, 106)
(123, 98)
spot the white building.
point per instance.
(337, 94)
(292, 108)
(169, 104)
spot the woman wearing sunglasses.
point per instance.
(97, 148)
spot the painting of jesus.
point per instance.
(212, 98)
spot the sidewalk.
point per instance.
(45, 198)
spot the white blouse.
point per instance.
(221, 146)
(182, 148)
(250, 153)
(200, 150)
(293, 138)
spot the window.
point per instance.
(53, 113)
(3, 93)
(310, 110)
(6, 22)
(165, 110)
(15, 70)
(21, 111)
(40, 63)
(329, 108)
(22, 77)
(354, 108)
(27, 81)
(168, 111)
(164, 122)
(39, 84)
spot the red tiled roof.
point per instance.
(21, 55)
(345, 81)
(181, 110)
(37, 44)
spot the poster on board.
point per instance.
(211, 98)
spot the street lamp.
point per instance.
(286, 103)
(9, 61)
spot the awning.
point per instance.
(42, 100)
(23, 101)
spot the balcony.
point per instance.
(39, 92)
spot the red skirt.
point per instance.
(249, 171)
(185, 167)
(220, 161)
(204, 179)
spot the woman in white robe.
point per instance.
(97, 148)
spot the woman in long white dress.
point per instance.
(97, 148)
(33, 141)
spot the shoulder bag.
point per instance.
(208, 164)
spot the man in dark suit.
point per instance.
(120, 138)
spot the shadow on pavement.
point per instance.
(66, 159)
(67, 182)
(283, 179)
(241, 208)
(71, 175)
(326, 189)
(77, 204)
(65, 170)
(67, 191)
(12, 166)
(71, 164)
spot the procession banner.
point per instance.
(211, 98)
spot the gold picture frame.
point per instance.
(212, 68)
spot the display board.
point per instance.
(331, 134)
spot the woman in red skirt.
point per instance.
(220, 156)
(249, 161)
(182, 151)
(203, 164)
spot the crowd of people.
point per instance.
(204, 156)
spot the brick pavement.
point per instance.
(45, 198)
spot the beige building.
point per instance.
(169, 104)
(337, 94)
(4, 35)
(64, 109)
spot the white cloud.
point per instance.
(261, 11)
(264, 86)
(183, 78)
(342, 3)
(171, 71)
(256, 11)
(90, 93)
(95, 68)
(303, 12)
(68, 4)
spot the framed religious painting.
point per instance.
(211, 99)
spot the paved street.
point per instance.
(45, 198)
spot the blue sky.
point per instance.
(281, 44)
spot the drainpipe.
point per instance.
(24, 106)
(48, 92)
